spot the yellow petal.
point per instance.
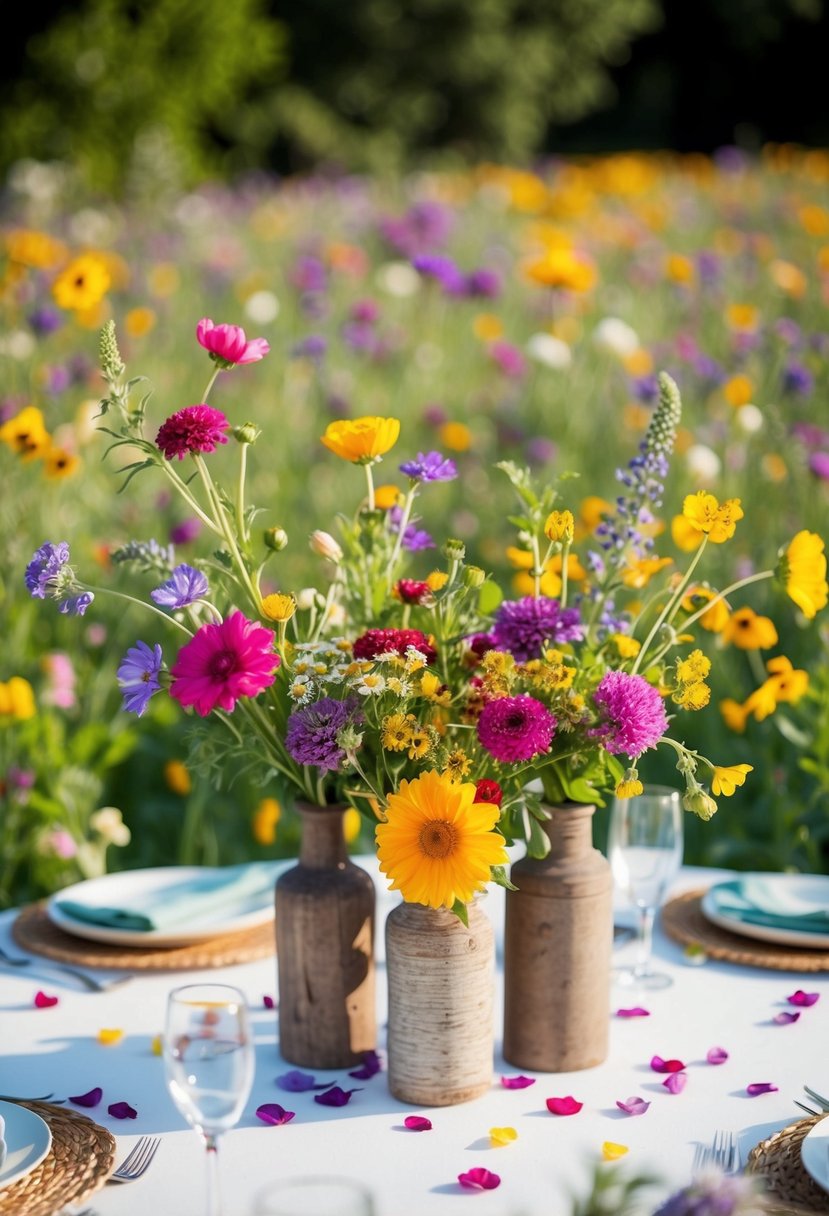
(110, 1036)
(502, 1135)
(612, 1152)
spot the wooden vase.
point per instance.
(325, 949)
(440, 1028)
(558, 940)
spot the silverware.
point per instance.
(40, 1098)
(721, 1153)
(807, 1109)
(88, 981)
(823, 1103)
(137, 1160)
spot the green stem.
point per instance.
(227, 531)
(670, 607)
(122, 595)
(210, 383)
(240, 493)
(743, 582)
(398, 540)
(565, 559)
(184, 491)
(370, 484)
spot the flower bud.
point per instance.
(560, 526)
(276, 539)
(474, 577)
(700, 803)
(248, 432)
(454, 549)
(323, 544)
(306, 598)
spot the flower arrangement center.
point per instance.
(438, 839)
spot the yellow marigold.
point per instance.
(738, 391)
(58, 463)
(748, 631)
(177, 777)
(726, 780)
(82, 284)
(629, 788)
(26, 433)
(563, 270)
(438, 844)
(560, 526)
(265, 820)
(684, 535)
(626, 646)
(803, 570)
(17, 699)
(679, 269)
(709, 517)
(361, 440)
(421, 743)
(278, 607)
(388, 496)
(456, 436)
(36, 249)
(639, 571)
(693, 668)
(397, 732)
(139, 322)
(744, 317)
(437, 580)
(734, 714)
(714, 618)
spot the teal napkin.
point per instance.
(755, 900)
(219, 893)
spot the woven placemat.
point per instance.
(80, 1160)
(777, 1159)
(684, 921)
(33, 930)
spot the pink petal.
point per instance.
(660, 1065)
(417, 1123)
(335, 1096)
(92, 1098)
(676, 1082)
(517, 1082)
(269, 1002)
(369, 1067)
(122, 1110)
(634, 1106)
(760, 1087)
(42, 1001)
(636, 1012)
(564, 1106)
(296, 1082)
(785, 1018)
(479, 1179)
(716, 1055)
(273, 1113)
(803, 998)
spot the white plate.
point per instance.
(811, 891)
(814, 1153)
(28, 1140)
(121, 887)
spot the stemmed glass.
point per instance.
(209, 1064)
(645, 852)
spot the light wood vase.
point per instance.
(325, 949)
(440, 1029)
(558, 940)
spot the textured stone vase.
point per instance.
(440, 1031)
(325, 949)
(558, 939)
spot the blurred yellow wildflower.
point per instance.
(361, 440)
(82, 284)
(639, 571)
(388, 496)
(177, 777)
(679, 269)
(748, 631)
(738, 391)
(139, 322)
(562, 270)
(17, 699)
(487, 327)
(456, 436)
(714, 618)
(789, 278)
(744, 317)
(265, 820)
(708, 516)
(803, 570)
(26, 433)
(58, 463)
(35, 249)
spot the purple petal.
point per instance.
(335, 1096)
(634, 1106)
(92, 1098)
(269, 1002)
(417, 1123)
(716, 1055)
(296, 1082)
(803, 998)
(676, 1082)
(785, 1018)
(369, 1068)
(122, 1110)
(272, 1112)
(479, 1179)
(636, 1012)
(517, 1082)
(760, 1087)
(660, 1065)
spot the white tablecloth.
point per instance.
(415, 1174)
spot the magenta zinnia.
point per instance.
(515, 728)
(222, 663)
(196, 428)
(633, 714)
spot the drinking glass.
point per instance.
(645, 852)
(314, 1197)
(209, 1063)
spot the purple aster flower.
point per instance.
(45, 321)
(426, 225)
(483, 284)
(414, 538)
(185, 532)
(311, 733)
(47, 564)
(138, 676)
(515, 728)
(442, 269)
(431, 467)
(523, 626)
(184, 587)
(819, 465)
(633, 714)
(797, 379)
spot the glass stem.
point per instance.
(647, 915)
(214, 1193)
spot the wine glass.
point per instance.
(645, 852)
(209, 1063)
(314, 1197)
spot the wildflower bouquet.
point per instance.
(431, 702)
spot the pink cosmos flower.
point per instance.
(196, 428)
(228, 345)
(222, 663)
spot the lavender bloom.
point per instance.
(709, 266)
(312, 347)
(443, 270)
(45, 321)
(415, 540)
(482, 284)
(788, 331)
(645, 389)
(58, 379)
(360, 335)
(716, 1194)
(45, 569)
(523, 626)
(425, 226)
(185, 532)
(184, 587)
(308, 274)
(312, 732)
(431, 467)
(138, 676)
(797, 379)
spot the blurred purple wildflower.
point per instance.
(184, 587)
(137, 676)
(185, 532)
(431, 467)
(523, 626)
(797, 379)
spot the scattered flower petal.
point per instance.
(612, 1152)
(335, 1096)
(479, 1179)
(42, 1001)
(760, 1087)
(91, 1098)
(564, 1106)
(296, 1082)
(803, 998)
(716, 1055)
(660, 1065)
(273, 1113)
(636, 1012)
(157, 1045)
(110, 1036)
(122, 1110)
(268, 1002)
(785, 1018)
(417, 1123)
(369, 1067)
(517, 1082)
(633, 1106)
(502, 1135)
(676, 1082)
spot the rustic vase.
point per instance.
(558, 939)
(440, 988)
(325, 949)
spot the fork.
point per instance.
(722, 1153)
(88, 981)
(137, 1160)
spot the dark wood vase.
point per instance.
(325, 949)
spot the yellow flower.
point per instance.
(82, 284)
(265, 818)
(696, 667)
(421, 744)
(278, 607)
(640, 571)
(26, 433)
(434, 690)
(437, 844)
(386, 497)
(437, 580)
(789, 278)
(629, 789)
(560, 526)
(789, 683)
(748, 631)
(679, 269)
(726, 780)
(738, 391)
(684, 535)
(803, 569)
(715, 618)
(742, 317)
(457, 765)
(626, 646)
(177, 777)
(361, 440)
(139, 322)
(456, 436)
(17, 699)
(563, 270)
(28, 247)
(734, 714)
(692, 696)
(58, 463)
(707, 516)
(487, 327)
(398, 730)
(592, 511)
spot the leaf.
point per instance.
(489, 597)
(460, 910)
(499, 876)
(538, 842)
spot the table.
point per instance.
(414, 1174)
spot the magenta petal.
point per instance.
(564, 1106)
(92, 1098)
(369, 1067)
(785, 1018)
(517, 1082)
(479, 1179)
(335, 1096)
(122, 1110)
(634, 1106)
(417, 1123)
(268, 1002)
(273, 1113)
(716, 1055)
(636, 1012)
(676, 1082)
(660, 1065)
(803, 998)
(760, 1087)
(296, 1082)
(42, 1001)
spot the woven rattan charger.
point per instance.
(790, 1187)
(80, 1160)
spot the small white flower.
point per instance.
(398, 279)
(108, 822)
(549, 350)
(306, 598)
(370, 685)
(301, 689)
(703, 463)
(616, 336)
(415, 659)
(262, 307)
(19, 344)
(749, 419)
(335, 614)
(400, 688)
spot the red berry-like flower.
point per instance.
(196, 428)
(488, 791)
(393, 641)
(410, 591)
